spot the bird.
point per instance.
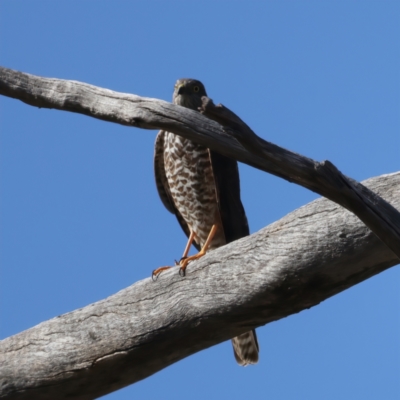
(202, 189)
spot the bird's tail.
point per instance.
(245, 348)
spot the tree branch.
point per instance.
(311, 254)
(297, 262)
(126, 109)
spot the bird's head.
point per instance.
(188, 93)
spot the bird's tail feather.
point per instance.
(245, 348)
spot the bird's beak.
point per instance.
(180, 89)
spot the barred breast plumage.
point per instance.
(190, 177)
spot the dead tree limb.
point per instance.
(126, 109)
(311, 254)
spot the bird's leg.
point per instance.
(188, 245)
(184, 262)
(156, 272)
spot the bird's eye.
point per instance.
(196, 89)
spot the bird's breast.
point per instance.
(190, 177)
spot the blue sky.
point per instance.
(80, 215)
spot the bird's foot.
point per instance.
(179, 262)
(157, 272)
(183, 263)
(186, 260)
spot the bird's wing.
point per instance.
(227, 183)
(234, 222)
(162, 183)
(159, 172)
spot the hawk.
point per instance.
(202, 189)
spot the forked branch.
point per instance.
(297, 262)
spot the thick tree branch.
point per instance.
(126, 109)
(311, 254)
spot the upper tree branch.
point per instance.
(126, 109)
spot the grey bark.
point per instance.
(297, 262)
(126, 109)
(311, 254)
